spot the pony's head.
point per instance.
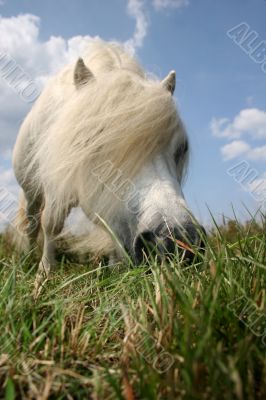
(156, 215)
(153, 213)
(118, 148)
(143, 190)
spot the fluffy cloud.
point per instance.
(218, 127)
(19, 38)
(239, 148)
(234, 149)
(20, 43)
(136, 10)
(250, 121)
(159, 4)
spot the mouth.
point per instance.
(148, 247)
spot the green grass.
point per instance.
(152, 332)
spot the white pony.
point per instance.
(104, 137)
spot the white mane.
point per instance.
(119, 116)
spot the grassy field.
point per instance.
(154, 332)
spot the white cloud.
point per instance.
(234, 149)
(160, 4)
(250, 121)
(217, 126)
(19, 39)
(239, 148)
(136, 10)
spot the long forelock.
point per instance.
(120, 117)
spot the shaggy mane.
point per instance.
(120, 116)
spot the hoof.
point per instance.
(41, 277)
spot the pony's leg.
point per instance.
(33, 213)
(113, 259)
(50, 229)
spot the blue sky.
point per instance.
(216, 78)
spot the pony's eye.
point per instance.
(181, 151)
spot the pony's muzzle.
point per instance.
(183, 244)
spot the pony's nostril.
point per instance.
(144, 244)
(148, 244)
(164, 243)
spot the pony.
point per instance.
(106, 137)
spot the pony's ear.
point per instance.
(169, 82)
(82, 74)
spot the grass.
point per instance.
(153, 332)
